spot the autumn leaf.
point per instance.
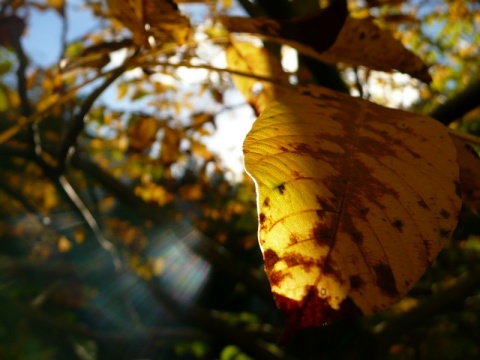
(249, 58)
(354, 200)
(142, 134)
(362, 42)
(317, 30)
(152, 22)
(339, 38)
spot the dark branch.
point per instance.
(68, 145)
(75, 199)
(459, 105)
(163, 334)
(207, 320)
(445, 299)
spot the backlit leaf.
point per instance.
(152, 22)
(354, 200)
(142, 134)
(362, 42)
(248, 58)
(359, 42)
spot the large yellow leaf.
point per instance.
(354, 200)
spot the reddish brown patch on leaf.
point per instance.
(261, 218)
(357, 237)
(293, 239)
(283, 148)
(398, 224)
(276, 277)
(386, 280)
(281, 188)
(445, 234)
(266, 202)
(270, 258)
(363, 212)
(322, 231)
(423, 204)
(303, 149)
(294, 259)
(323, 204)
(444, 214)
(313, 310)
(355, 282)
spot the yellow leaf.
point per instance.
(79, 235)
(170, 151)
(362, 42)
(354, 200)
(142, 134)
(251, 59)
(359, 42)
(122, 90)
(64, 245)
(152, 22)
(226, 3)
(193, 192)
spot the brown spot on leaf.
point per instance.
(355, 282)
(413, 153)
(357, 237)
(294, 259)
(276, 277)
(281, 188)
(364, 211)
(293, 239)
(444, 214)
(398, 224)
(423, 204)
(266, 202)
(386, 280)
(261, 218)
(303, 148)
(322, 232)
(270, 258)
(323, 204)
(283, 148)
(445, 233)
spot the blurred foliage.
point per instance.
(124, 235)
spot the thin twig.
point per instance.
(465, 136)
(216, 69)
(169, 334)
(90, 220)
(68, 144)
(459, 105)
